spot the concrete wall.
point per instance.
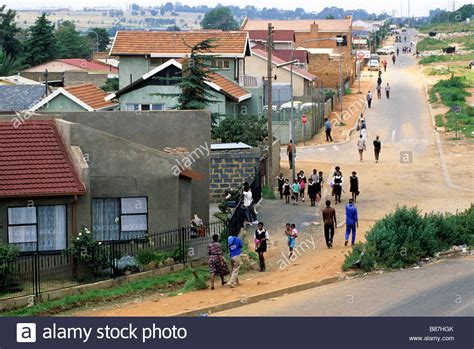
(329, 70)
(131, 69)
(59, 104)
(230, 169)
(157, 130)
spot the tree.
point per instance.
(247, 129)
(173, 28)
(9, 65)
(8, 31)
(330, 16)
(219, 18)
(70, 44)
(102, 35)
(195, 92)
(40, 45)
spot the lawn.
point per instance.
(467, 41)
(431, 44)
(446, 58)
(447, 27)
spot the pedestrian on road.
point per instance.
(398, 51)
(295, 189)
(327, 127)
(394, 58)
(235, 245)
(384, 65)
(291, 234)
(387, 90)
(261, 238)
(312, 191)
(314, 176)
(377, 148)
(379, 91)
(379, 79)
(281, 182)
(320, 185)
(216, 262)
(286, 191)
(363, 133)
(330, 223)
(289, 151)
(337, 182)
(302, 182)
(369, 99)
(250, 216)
(361, 147)
(354, 186)
(352, 221)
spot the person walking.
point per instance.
(295, 189)
(394, 58)
(379, 91)
(377, 148)
(319, 185)
(337, 183)
(361, 147)
(302, 183)
(281, 182)
(330, 223)
(379, 79)
(261, 238)
(216, 262)
(369, 99)
(387, 90)
(314, 175)
(291, 234)
(354, 189)
(384, 65)
(312, 191)
(327, 127)
(289, 151)
(352, 221)
(287, 191)
(235, 245)
(248, 205)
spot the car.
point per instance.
(383, 51)
(391, 49)
(374, 64)
(375, 56)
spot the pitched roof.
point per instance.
(278, 35)
(88, 96)
(34, 161)
(19, 97)
(18, 80)
(286, 55)
(217, 82)
(175, 44)
(90, 65)
(300, 25)
(276, 60)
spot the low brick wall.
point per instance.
(231, 168)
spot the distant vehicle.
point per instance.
(374, 64)
(375, 56)
(308, 106)
(398, 38)
(383, 51)
(287, 105)
(391, 49)
(404, 30)
(449, 49)
(432, 34)
(274, 107)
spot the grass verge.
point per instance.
(446, 58)
(268, 193)
(170, 284)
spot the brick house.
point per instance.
(142, 54)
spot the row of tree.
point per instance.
(43, 42)
(459, 15)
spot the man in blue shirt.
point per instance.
(327, 127)
(235, 249)
(352, 221)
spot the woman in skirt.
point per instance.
(261, 238)
(287, 191)
(217, 264)
(312, 192)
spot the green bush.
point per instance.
(268, 193)
(8, 253)
(439, 120)
(404, 237)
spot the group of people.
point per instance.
(300, 186)
(361, 142)
(337, 184)
(330, 223)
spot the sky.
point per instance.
(418, 7)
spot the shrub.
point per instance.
(268, 193)
(127, 263)
(404, 237)
(7, 254)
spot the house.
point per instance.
(302, 80)
(103, 171)
(318, 30)
(71, 71)
(17, 80)
(85, 97)
(142, 54)
(282, 39)
(16, 98)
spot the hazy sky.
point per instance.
(418, 7)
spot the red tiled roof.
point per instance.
(228, 87)
(278, 35)
(276, 60)
(286, 54)
(89, 65)
(34, 161)
(91, 95)
(175, 44)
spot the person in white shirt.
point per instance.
(248, 201)
(361, 147)
(387, 91)
(337, 183)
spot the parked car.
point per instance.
(374, 64)
(287, 105)
(391, 49)
(383, 51)
(449, 49)
(375, 56)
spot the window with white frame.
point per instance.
(143, 107)
(222, 64)
(37, 228)
(119, 218)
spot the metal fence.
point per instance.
(31, 275)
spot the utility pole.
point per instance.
(270, 105)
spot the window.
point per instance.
(119, 218)
(143, 107)
(222, 64)
(132, 107)
(344, 40)
(41, 228)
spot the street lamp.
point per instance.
(97, 39)
(291, 62)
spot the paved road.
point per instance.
(445, 288)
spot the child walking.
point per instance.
(354, 181)
(281, 182)
(312, 191)
(302, 188)
(291, 234)
(296, 191)
(286, 191)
